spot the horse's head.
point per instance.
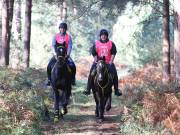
(61, 54)
(101, 68)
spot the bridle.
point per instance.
(62, 57)
(105, 72)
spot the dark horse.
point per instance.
(102, 89)
(61, 82)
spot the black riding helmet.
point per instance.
(103, 32)
(63, 25)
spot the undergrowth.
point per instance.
(148, 107)
(20, 112)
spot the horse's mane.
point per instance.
(101, 58)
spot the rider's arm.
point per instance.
(69, 46)
(113, 53)
(94, 53)
(53, 45)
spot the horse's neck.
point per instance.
(60, 69)
(105, 80)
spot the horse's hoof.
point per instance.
(99, 120)
(96, 114)
(64, 111)
(108, 108)
(56, 120)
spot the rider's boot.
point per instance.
(74, 76)
(117, 91)
(49, 76)
(90, 78)
(88, 90)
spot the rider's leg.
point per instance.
(90, 77)
(113, 70)
(49, 68)
(73, 70)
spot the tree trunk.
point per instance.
(5, 29)
(10, 13)
(61, 9)
(16, 57)
(177, 40)
(7, 15)
(74, 8)
(1, 31)
(27, 33)
(17, 32)
(64, 11)
(166, 43)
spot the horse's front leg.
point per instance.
(108, 102)
(96, 97)
(67, 94)
(101, 109)
(56, 105)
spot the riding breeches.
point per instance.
(113, 71)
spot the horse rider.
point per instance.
(104, 47)
(60, 38)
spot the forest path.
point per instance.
(83, 122)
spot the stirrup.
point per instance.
(56, 119)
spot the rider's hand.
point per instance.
(55, 57)
(67, 56)
(110, 63)
(95, 59)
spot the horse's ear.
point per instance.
(104, 58)
(64, 44)
(99, 58)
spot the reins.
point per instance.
(105, 86)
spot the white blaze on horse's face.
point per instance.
(61, 50)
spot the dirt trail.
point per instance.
(84, 123)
